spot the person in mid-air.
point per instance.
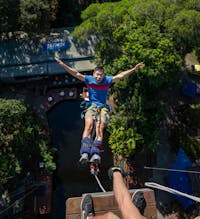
(97, 86)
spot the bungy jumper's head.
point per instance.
(98, 74)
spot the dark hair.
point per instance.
(98, 68)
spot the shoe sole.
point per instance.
(139, 193)
(95, 161)
(82, 217)
(83, 161)
(83, 196)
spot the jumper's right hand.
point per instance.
(58, 60)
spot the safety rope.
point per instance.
(170, 190)
(173, 170)
(99, 183)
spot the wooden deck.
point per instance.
(104, 202)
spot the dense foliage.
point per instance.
(38, 16)
(21, 146)
(158, 33)
(25, 15)
(186, 132)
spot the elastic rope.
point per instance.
(99, 183)
(173, 170)
(170, 190)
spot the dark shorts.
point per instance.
(100, 114)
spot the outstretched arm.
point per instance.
(127, 72)
(72, 71)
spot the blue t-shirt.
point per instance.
(98, 91)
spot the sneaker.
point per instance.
(84, 158)
(87, 207)
(139, 201)
(95, 159)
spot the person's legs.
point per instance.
(102, 120)
(86, 142)
(90, 116)
(97, 144)
(99, 130)
(88, 127)
(85, 150)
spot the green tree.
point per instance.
(184, 28)
(21, 147)
(29, 16)
(135, 31)
(10, 13)
(37, 15)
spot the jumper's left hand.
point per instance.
(140, 65)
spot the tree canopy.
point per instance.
(28, 16)
(21, 145)
(38, 16)
(158, 33)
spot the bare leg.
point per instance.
(123, 198)
(88, 128)
(103, 119)
(97, 144)
(99, 131)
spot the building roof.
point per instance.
(32, 57)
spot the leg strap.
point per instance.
(96, 148)
(86, 145)
(98, 144)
